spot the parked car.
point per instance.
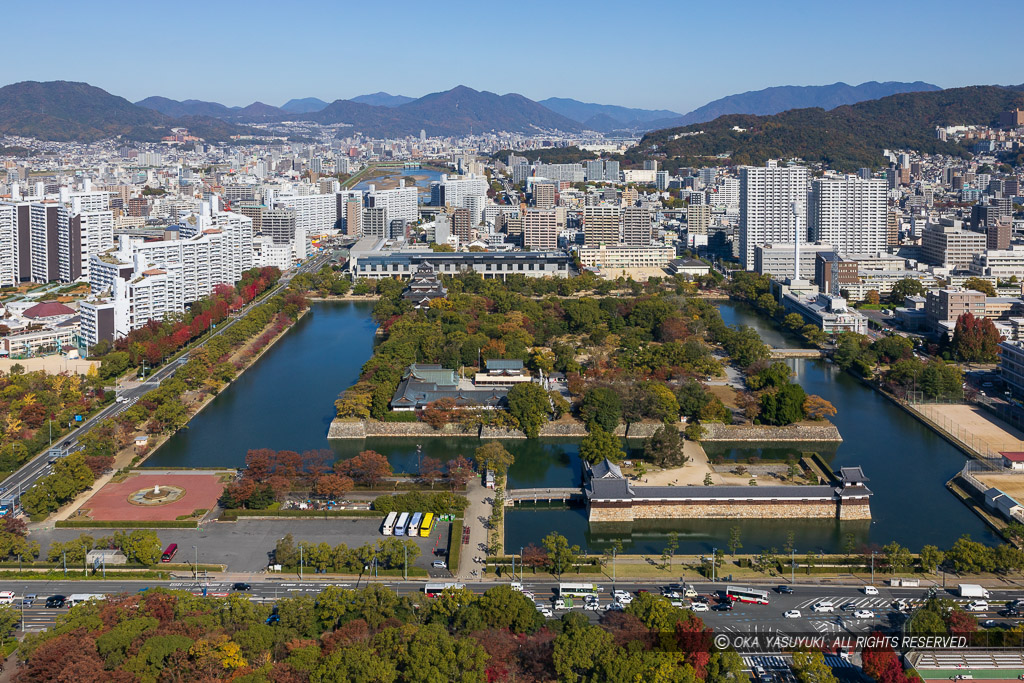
(791, 614)
(700, 607)
(439, 564)
(723, 607)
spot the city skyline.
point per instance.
(759, 48)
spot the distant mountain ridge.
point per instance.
(383, 99)
(605, 117)
(304, 105)
(785, 97)
(845, 138)
(71, 111)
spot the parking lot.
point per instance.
(244, 546)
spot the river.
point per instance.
(285, 401)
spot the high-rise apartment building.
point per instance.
(637, 229)
(540, 229)
(353, 216)
(462, 224)
(849, 213)
(698, 218)
(87, 233)
(544, 195)
(452, 191)
(47, 219)
(601, 225)
(9, 276)
(766, 206)
(374, 221)
(280, 226)
(402, 202)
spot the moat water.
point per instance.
(286, 401)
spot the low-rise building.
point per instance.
(425, 383)
(779, 260)
(369, 258)
(625, 257)
(826, 311)
(501, 372)
(1011, 366)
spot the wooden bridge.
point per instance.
(782, 354)
(513, 496)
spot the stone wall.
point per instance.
(717, 510)
(361, 429)
(859, 508)
(825, 431)
(642, 430)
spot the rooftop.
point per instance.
(48, 309)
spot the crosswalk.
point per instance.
(777, 662)
(858, 603)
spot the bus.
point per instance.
(427, 525)
(414, 524)
(752, 595)
(402, 524)
(79, 598)
(577, 590)
(169, 553)
(434, 589)
(388, 527)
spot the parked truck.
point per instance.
(972, 590)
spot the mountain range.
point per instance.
(846, 137)
(70, 111)
(606, 118)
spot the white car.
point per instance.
(592, 605)
(792, 614)
(700, 607)
(614, 607)
(623, 597)
(679, 603)
(545, 611)
(824, 606)
(977, 606)
(439, 564)
(529, 594)
(690, 592)
(863, 614)
(672, 595)
(6, 597)
(870, 590)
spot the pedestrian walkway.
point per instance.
(481, 500)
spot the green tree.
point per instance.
(561, 555)
(897, 558)
(726, 667)
(141, 546)
(783, 406)
(980, 285)
(810, 667)
(357, 663)
(601, 406)
(494, 456)
(904, 288)
(692, 397)
(707, 479)
(505, 608)
(529, 404)
(581, 650)
(599, 444)
(665, 446)
(734, 540)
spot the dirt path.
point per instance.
(475, 519)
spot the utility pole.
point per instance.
(405, 564)
(300, 561)
(195, 567)
(520, 564)
(714, 561)
(613, 565)
(65, 554)
(872, 567)
(792, 567)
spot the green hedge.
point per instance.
(441, 502)
(126, 524)
(231, 515)
(455, 546)
(414, 572)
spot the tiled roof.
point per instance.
(48, 309)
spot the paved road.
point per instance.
(39, 466)
(743, 619)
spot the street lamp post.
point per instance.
(792, 567)
(714, 561)
(613, 565)
(300, 561)
(872, 567)
(195, 567)
(520, 564)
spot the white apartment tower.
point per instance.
(849, 213)
(8, 246)
(766, 197)
(401, 203)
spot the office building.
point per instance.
(951, 246)
(849, 213)
(833, 273)
(661, 180)
(601, 225)
(368, 260)
(944, 306)
(637, 229)
(779, 260)
(617, 258)
(998, 233)
(540, 229)
(767, 195)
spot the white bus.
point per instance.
(388, 527)
(78, 598)
(434, 589)
(414, 524)
(401, 524)
(577, 590)
(752, 595)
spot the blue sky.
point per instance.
(671, 55)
